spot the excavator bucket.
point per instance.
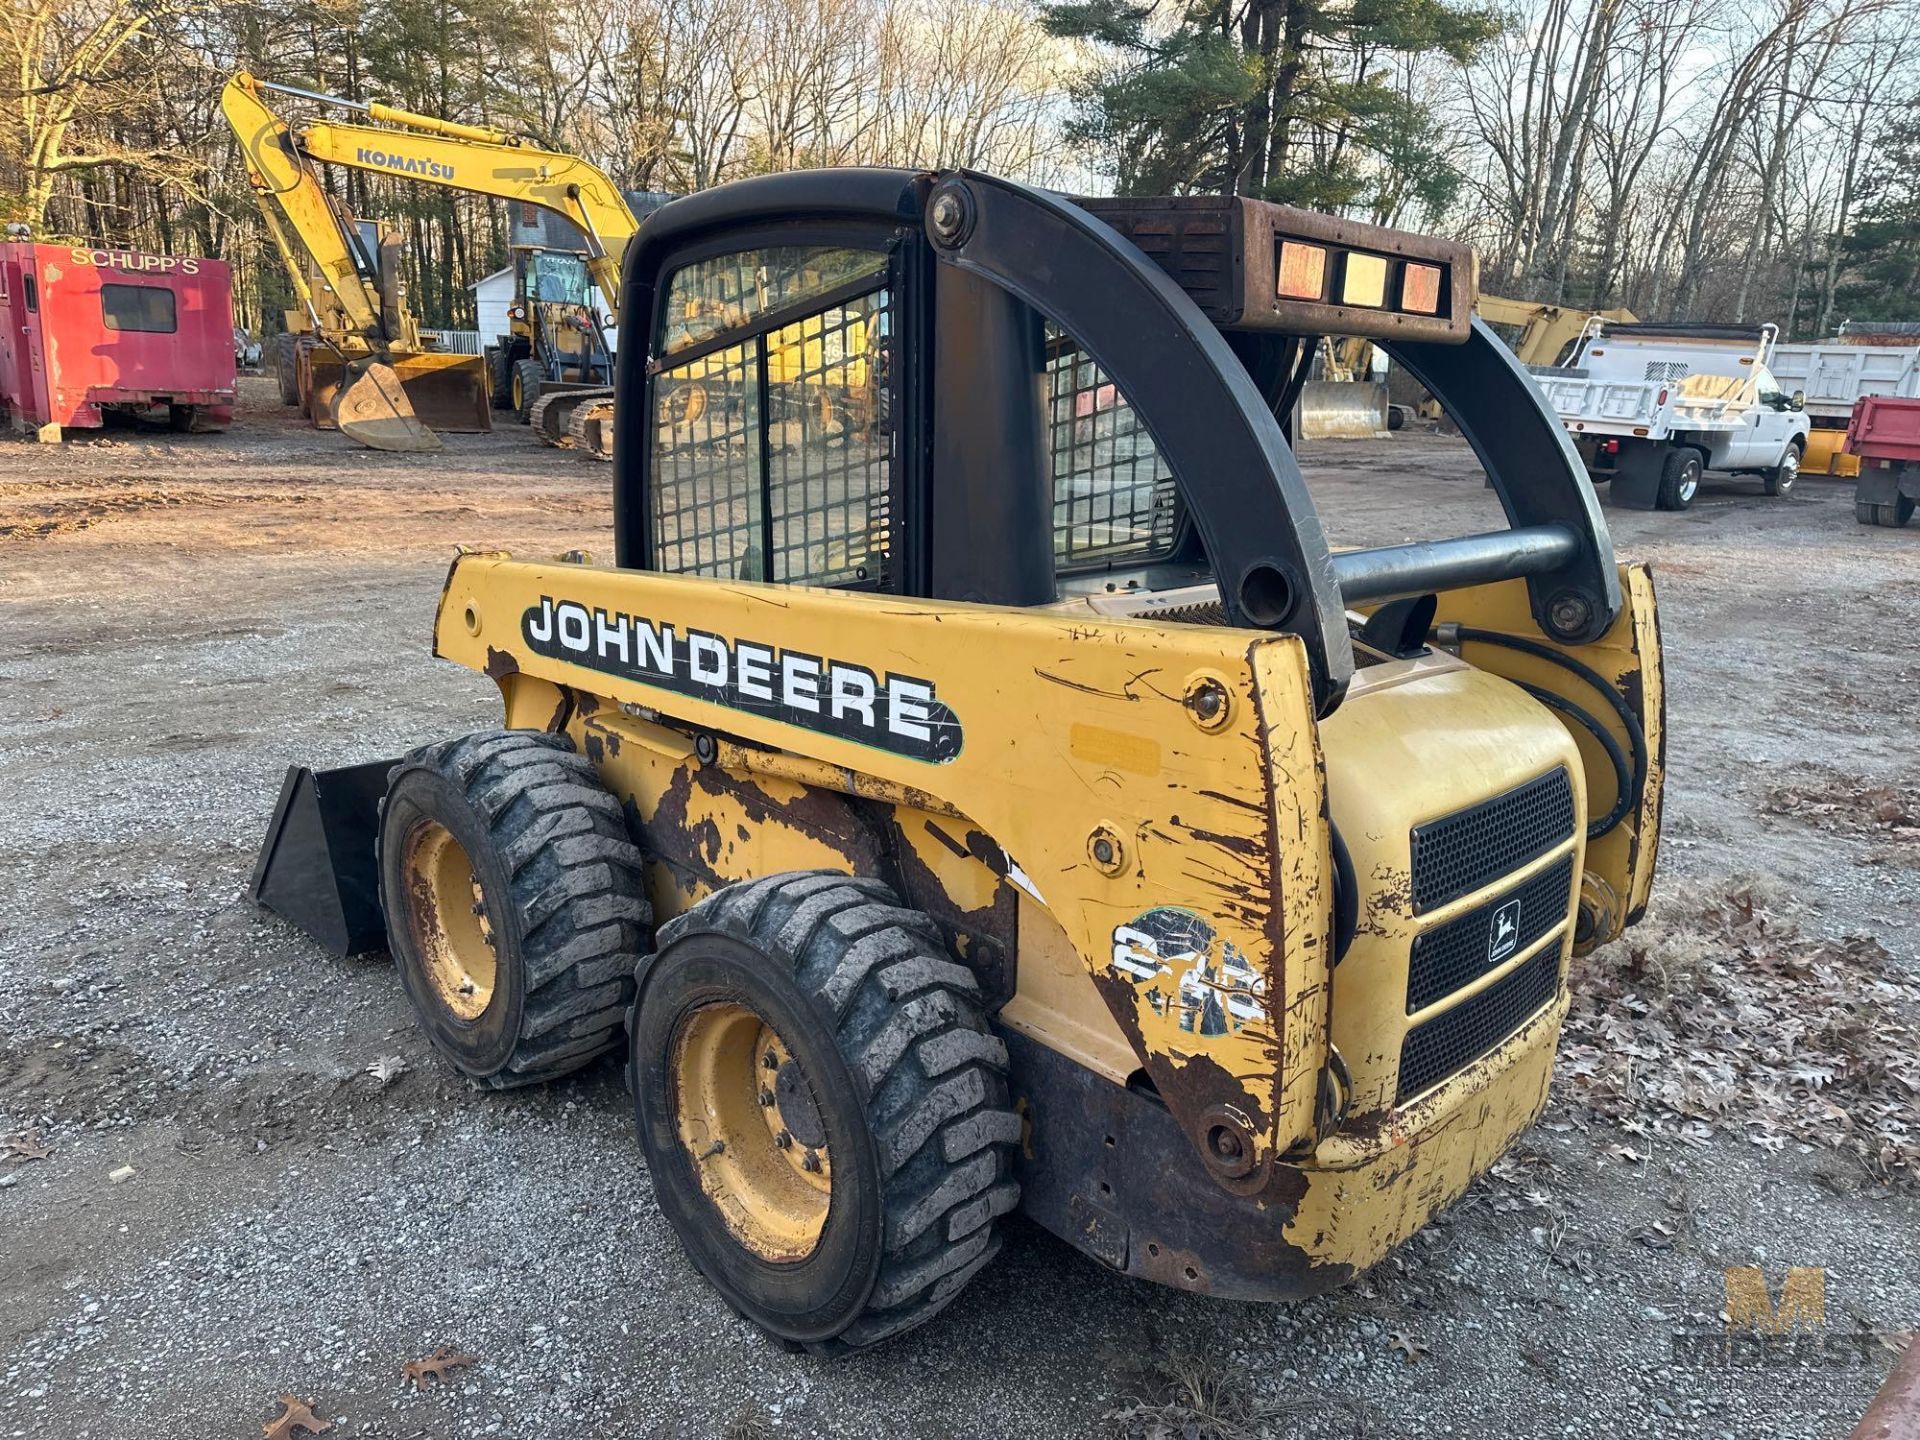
(1343, 410)
(371, 405)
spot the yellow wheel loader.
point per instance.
(1014, 802)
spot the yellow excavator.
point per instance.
(1546, 331)
(554, 367)
(357, 358)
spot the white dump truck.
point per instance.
(1834, 374)
(1652, 407)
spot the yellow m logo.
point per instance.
(1802, 1306)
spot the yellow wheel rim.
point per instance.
(447, 915)
(751, 1125)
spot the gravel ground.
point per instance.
(234, 1209)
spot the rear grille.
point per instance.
(1456, 1038)
(1462, 950)
(1462, 852)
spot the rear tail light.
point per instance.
(1612, 447)
(1420, 289)
(1303, 271)
(1661, 398)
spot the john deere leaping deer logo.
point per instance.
(1504, 933)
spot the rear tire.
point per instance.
(1892, 516)
(1679, 480)
(898, 1096)
(286, 348)
(528, 377)
(1779, 480)
(514, 903)
(500, 376)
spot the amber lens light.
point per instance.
(1303, 271)
(1365, 281)
(1420, 289)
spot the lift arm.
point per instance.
(475, 158)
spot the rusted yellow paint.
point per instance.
(1619, 866)
(1442, 730)
(1227, 827)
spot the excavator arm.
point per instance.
(366, 371)
(293, 203)
(479, 159)
(1545, 330)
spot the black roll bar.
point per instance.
(1197, 398)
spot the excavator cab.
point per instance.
(1012, 800)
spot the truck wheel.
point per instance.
(500, 377)
(1892, 516)
(1779, 480)
(514, 903)
(181, 419)
(1679, 480)
(528, 377)
(823, 1109)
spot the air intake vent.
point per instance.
(1461, 951)
(1470, 849)
(1456, 1038)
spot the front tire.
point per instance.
(1780, 479)
(514, 904)
(528, 377)
(813, 1006)
(1679, 480)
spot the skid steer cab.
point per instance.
(977, 786)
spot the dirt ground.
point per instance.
(232, 1208)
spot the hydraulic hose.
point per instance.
(1632, 778)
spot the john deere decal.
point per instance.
(900, 713)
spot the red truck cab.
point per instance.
(1884, 431)
(85, 330)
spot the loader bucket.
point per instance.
(449, 392)
(317, 867)
(1342, 410)
(372, 406)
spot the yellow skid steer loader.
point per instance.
(1010, 801)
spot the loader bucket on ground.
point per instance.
(317, 867)
(449, 392)
(1343, 410)
(372, 406)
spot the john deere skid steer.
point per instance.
(977, 786)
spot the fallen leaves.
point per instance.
(1844, 805)
(27, 1145)
(296, 1418)
(387, 1069)
(436, 1367)
(1410, 1348)
(1718, 1015)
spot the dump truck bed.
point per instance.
(1886, 428)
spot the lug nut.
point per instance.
(783, 1140)
(770, 1061)
(766, 1099)
(810, 1162)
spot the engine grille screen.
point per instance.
(1456, 1038)
(1462, 950)
(1472, 848)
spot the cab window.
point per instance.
(1114, 497)
(771, 413)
